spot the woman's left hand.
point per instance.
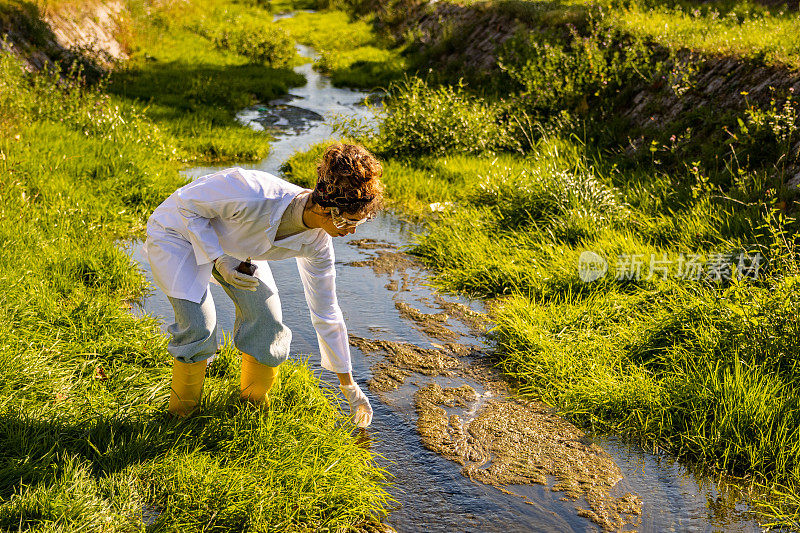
(360, 408)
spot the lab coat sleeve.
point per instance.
(318, 275)
(200, 202)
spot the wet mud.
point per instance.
(372, 244)
(432, 324)
(498, 440)
(511, 442)
(387, 261)
(476, 322)
(401, 359)
(282, 116)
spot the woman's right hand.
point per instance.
(226, 266)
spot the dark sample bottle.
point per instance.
(246, 267)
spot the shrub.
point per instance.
(421, 119)
(271, 46)
(259, 40)
(554, 75)
(546, 195)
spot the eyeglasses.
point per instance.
(341, 222)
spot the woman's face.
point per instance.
(338, 224)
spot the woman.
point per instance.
(208, 227)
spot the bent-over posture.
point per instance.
(211, 226)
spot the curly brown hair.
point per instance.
(349, 177)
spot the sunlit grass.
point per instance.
(350, 50)
(678, 366)
(192, 87)
(740, 28)
(756, 34)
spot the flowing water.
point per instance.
(431, 492)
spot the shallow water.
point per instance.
(432, 493)
(304, 118)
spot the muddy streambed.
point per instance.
(465, 454)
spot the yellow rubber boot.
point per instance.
(257, 379)
(187, 387)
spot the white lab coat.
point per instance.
(237, 212)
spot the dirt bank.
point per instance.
(91, 32)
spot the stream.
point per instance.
(391, 312)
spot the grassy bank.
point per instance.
(710, 83)
(84, 441)
(687, 338)
(744, 29)
(761, 31)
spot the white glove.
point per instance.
(360, 409)
(226, 266)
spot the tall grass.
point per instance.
(702, 368)
(426, 119)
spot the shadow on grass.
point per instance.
(196, 104)
(183, 87)
(370, 75)
(34, 451)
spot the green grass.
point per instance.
(191, 75)
(742, 30)
(699, 368)
(85, 444)
(703, 373)
(350, 50)
(737, 28)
